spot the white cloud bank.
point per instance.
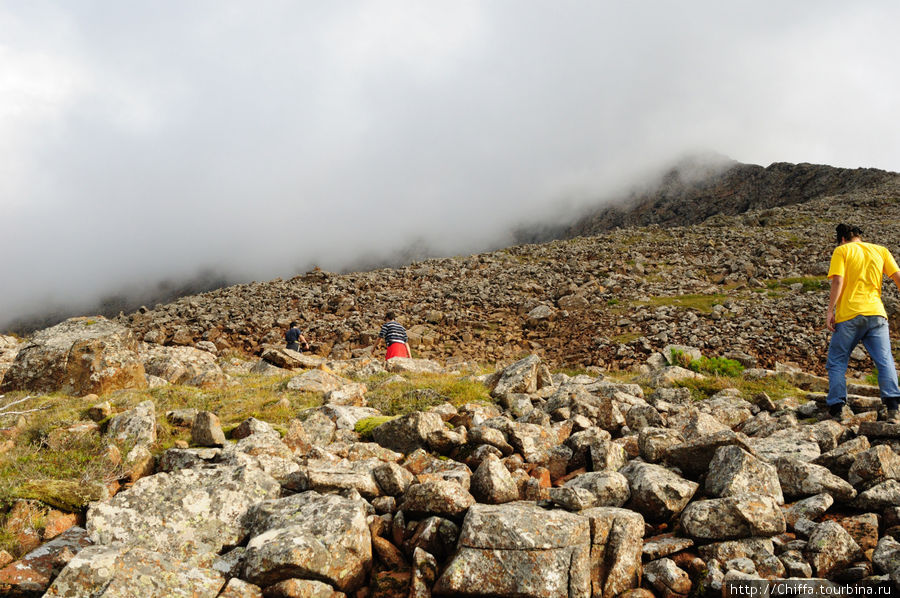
(141, 141)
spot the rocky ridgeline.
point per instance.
(734, 283)
(565, 487)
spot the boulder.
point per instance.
(119, 569)
(137, 426)
(183, 365)
(206, 430)
(801, 479)
(407, 433)
(189, 514)
(291, 360)
(693, 456)
(80, 356)
(735, 471)
(492, 483)
(740, 516)
(616, 548)
(520, 549)
(830, 548)
(887, 557)
(439, 497)
(32, 574)
(607, 488)
(409, 365)
(874, 466)
(308, 536)
(317, 381)
(657, 493)
(520, 377)
(841, 458)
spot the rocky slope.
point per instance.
(565, 487)
(751, 283)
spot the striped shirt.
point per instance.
(393, 332)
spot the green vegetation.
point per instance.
(872, 377)
(810, 283)
(367, 425)
(776, 387)
(418, 392)
(717, 366)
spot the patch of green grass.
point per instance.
(810, 283)
(421, 391)
(367, 425)
(702, 303)
(872, 377)
(718, 366)
(776, 387)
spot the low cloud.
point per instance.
(141, 143)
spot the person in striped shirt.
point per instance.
(395, 337)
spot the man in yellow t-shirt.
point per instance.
(856, 314)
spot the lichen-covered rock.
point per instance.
(520, 377)
(183, 365)
(740, 516)
(325, 476)
(399, 365)
(667, 578)
(136, 425)
(206, 430)
(795, 443)
(32, 574)
(318, 381)
(79, 356)
(308, 536)
(693, 456)
(492, 483)
(408, 433)
(289, 359)
(841, 458)
(190, 514)
(654, 442)
(392, 479)
(519, 549)
(887, 557)
(800, 479)
(238, 588)
(616, 548)
(809, 508)
(874, 466)
(735, 471)
(608, 488)
(440, 497)
(882, 496)
(657, 493)
(830, 548)
(122, 571)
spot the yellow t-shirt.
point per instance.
(862, 266)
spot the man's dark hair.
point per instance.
(845, 232)
(390, 315)
(293, 324)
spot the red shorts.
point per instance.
(396, 350)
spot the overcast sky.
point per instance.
(143, 140)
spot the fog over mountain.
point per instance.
(142, 143)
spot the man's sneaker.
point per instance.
(893, 416)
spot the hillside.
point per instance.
(751, 282)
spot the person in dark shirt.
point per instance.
(294, 338)
(395, 337)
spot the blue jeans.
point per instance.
(873, 332)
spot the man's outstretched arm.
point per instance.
(837, 285)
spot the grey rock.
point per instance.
(437, 498)
(733, 517)
(654, 442)
(735, 471)
(137, 426)
(810, 508)
(308, 535)
(117, 570)
(407, 433)
(616, 549)
(393, 479)
(830, 549)
(801, 479)
(492, 483)
(657, 493)
(189, 514)
(519, 549)
(206, 430)
(874, 466)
